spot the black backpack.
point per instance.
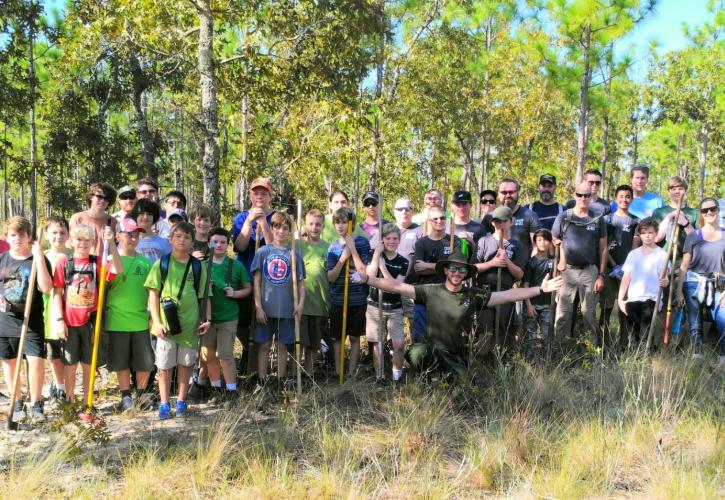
(195, 268)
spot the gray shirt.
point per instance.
(707, 256)
(580, 237)
(524, 223)
(275, 267)
(487, 249)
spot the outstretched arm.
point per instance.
(391, 285)
(516, 294)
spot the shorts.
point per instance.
(355, 325)
(79, 346)
(130, 351)
(313, 330)
(392, 323)
(608, 296)
(170, 354)
(34, 346)
(219, 338)
(53, 349)
(281, 328)
(246, 311)
(408, 307)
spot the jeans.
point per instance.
(538, 327)
(420, 321)
(694, 317)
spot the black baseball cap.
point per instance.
(485, 192)
(370, 195)
(547, 178)
(462, 196)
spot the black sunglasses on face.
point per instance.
(370, 204)
(127, 197)
(707, 210)
(583, 195)
(488, 201)
(100, 196)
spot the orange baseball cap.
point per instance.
(261, 182)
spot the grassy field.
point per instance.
(592, 428)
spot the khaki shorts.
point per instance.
(392, 321)
(408, 306)
(170, 354)
(219, 338)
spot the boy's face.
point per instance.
(147, 191)
(202, 224)
(314, 226)
(174, 202)
(542, 245)
(341, 227)
(647, 235)
(219, 242)
(501, 225)
(280, 233)
(462, 209)
(624, 200)
(676, 193)
(145, 220)
(181, 241)
(261, 198)
(338, 201)
(82, 246)
(128, 241)
(19, 241)
(391, 242)
(57, 235)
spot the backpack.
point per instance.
(195, 268)
(568, 221)
(70, 270)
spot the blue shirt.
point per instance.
(644, 206)
(247, 256)
(547, 213)
(356, 293)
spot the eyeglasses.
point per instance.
(437, 219)
(404, 209)
(100, 196)
(709, 210)
(147, 191)
(507, 193)
(454, 268)
(370, 204)
(583, 195)
(488, 201)
(595, 183)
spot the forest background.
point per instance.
(399, 95)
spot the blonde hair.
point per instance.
(83, 231)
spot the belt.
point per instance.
(583, 266)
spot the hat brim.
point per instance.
(471, 270)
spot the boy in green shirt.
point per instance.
(127, 321)
(231, 283)
(174, 307)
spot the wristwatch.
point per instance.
(602, 274)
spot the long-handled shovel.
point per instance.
(381, 324)
(668, 316)
(552, 305)
(251, 360)
(295, 298)
(344, 311)
(497, 314)
(9, 424)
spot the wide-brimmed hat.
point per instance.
(457, 257)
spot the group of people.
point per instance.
(181, 289)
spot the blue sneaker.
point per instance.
(164, 411)
(180, 408)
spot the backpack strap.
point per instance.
(164, 267)
(68, 271)
(196, 269)
(195, 265)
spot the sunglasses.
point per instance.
(100, 196)
(454, 268)
(127, 197)
(147, 191)
(438, 219)
(370, 204)
(507, 193)
(404, 209)
(583, 195)
(488, 201)
(709, 210)
(596, 183)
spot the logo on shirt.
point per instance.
(518, 222)
(277, 269)
(591, 227)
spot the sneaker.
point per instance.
(164, 411)
(126, 403)
(19, 411)
(37, 415)
(181, 408)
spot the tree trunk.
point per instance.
(148, 148)
(583, 133)
(33, 144)
(704, 143)
(243, 162)
(378, 161)
(210, 158)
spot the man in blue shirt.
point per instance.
(644, 203)
(547, 208)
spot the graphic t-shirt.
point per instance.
(431, 251)
(80, 297)
(224, 308)
(127, 303)
(397, 266)
(524, 222)
(317, 293)
(621, 230)
(14, 282)
(580, 236)
(275, 267)
(153, 248)
(188, 306)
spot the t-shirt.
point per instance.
(450, 314)
(599, 206)
(581, 237)
(275, 267)
(98, 224)
(80, 297)
(127, 303)
(247, 255)
(524, 222)
(153, 248)
(690, 214)
(430, 250)
(329, 234)
(357, 293)
(645, 270)
(397, 266)
(15, 276)
(188, 306)
(546, 213)
(371, 229)
(224, 308)
(49, 312)
(487, 249)
(534, 273)
(621, 230)
(408, 237)
(707, 256)
(317, 293)
(644, 206)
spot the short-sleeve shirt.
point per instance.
(4, 246)
(397, 266)
(127, 304)
(357, 293)
(524, 222)
(645, 270)
(431, 251)
(546, 213)
(450, 314)
(487, 250)
(49, 313)
(599, 206)
(14, 283)
(153, 248)
(581, 237)
(690, 214)
(247, 255)
(224, 308)
(621, 230)
(371, 229)
(644, 206)
(274, 264)
(536, 270)
(317, 293)
(80, 297)
(99, 225)
(707, 256)
(188, 306)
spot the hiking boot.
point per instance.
(126, 403)
(19, 411)
(181, 408)
(164, 411)
(37, 415)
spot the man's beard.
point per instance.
(512, 202)
(546, 195)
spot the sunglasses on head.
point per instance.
(709, 210)
(455, 268)
(488, 201)
(583, 195)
